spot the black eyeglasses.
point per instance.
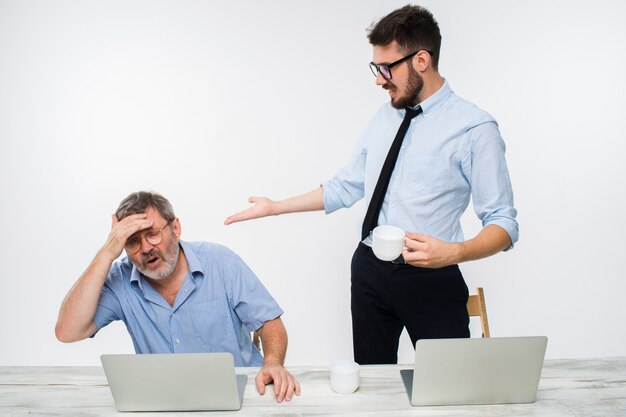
(133, 243)
(385, 69)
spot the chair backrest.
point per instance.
(476, 308)
(256, 340)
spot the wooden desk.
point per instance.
(594, 387)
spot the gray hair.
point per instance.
(138, 202)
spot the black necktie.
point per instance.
(376, 203)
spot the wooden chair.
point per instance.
(256, 340)
(476, 308)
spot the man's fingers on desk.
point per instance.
(284, 383)
(294, 387)
(280, 387)
(261, 380)
(287, 386)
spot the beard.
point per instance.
(414, 86)
(169, 259)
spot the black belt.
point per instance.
(399, 260)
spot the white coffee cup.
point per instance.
(344, 377)
(387, 242)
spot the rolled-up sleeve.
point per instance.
(347, 186)
(492, 193)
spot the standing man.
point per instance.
(421, 158)
(175, 296)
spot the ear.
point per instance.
(421, 61)
(176, 228)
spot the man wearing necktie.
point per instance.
(418, 162)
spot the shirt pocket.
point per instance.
(426, 175)
(211, 322)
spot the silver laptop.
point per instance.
(174, 382)
(501, 370)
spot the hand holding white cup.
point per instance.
(387, 242)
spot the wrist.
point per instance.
(272, 360)
(459, 252)
(276, 208)
(107, 254)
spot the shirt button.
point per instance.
(177, 341)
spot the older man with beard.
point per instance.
(176, 296)
(418, 162)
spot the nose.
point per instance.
(145, 245)
(380, 80)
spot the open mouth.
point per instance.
(152, 261)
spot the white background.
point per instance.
(208, 102)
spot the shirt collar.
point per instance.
(192, 260)
(436, 100)
(192, 263)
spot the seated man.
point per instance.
(176, 296)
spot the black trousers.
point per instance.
(386, 297)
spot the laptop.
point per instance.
(499, 370)
(174, 381)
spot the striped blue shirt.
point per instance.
(220, 302)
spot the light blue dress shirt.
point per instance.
(451, 152)
(220, 302)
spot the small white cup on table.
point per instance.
(344, 377)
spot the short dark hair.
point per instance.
(138, 202)
(412, 27)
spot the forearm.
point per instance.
(274, 338)
(75, 321)
(311, 201)
(491, 240)
(274, 341)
